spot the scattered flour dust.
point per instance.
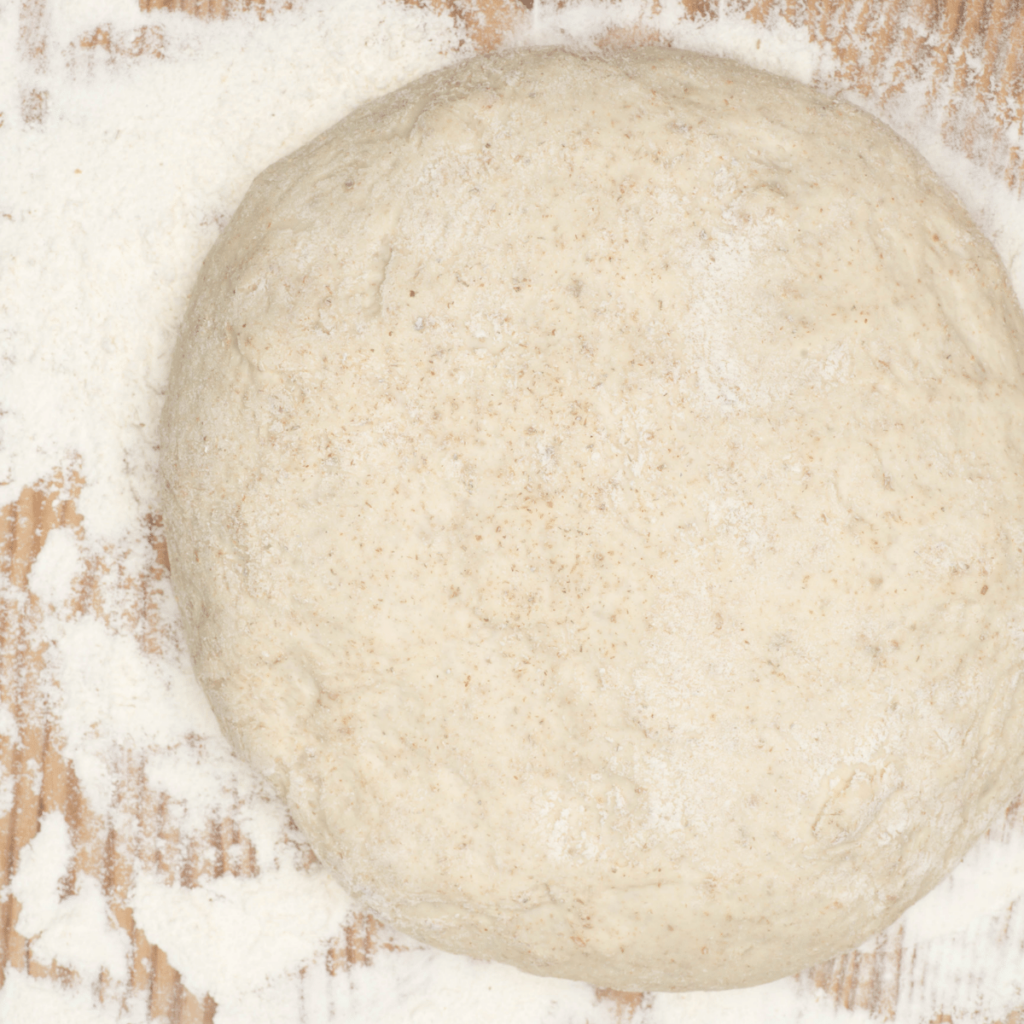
(116, 175)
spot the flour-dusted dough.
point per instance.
(595, 497)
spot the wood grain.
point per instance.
(971, 53)
(45, 780)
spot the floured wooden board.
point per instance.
(977, 46)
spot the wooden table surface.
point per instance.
(875, 982)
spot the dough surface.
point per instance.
(595, 498)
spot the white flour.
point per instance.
(107, 206)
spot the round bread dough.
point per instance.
(595, 498)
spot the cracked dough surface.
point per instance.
(594, 491)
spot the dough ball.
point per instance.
(594, 495)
